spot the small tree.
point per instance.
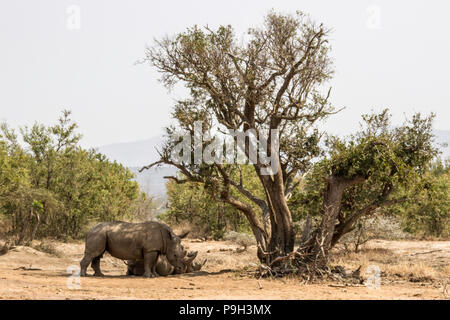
(427, 210)
(361, 174)
(53, 187)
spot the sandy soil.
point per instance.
(409, 270)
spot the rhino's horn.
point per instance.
(183, 235)
(197, 266)
(192, 254)
(190, 257)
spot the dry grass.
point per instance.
(222, 276)
(414, 272)
(223, 255)
(47, 247)
(423, 265)
(395, 262)
(241, 239)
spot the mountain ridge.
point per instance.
(137, 154)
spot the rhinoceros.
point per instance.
(133, 241)
(163, 266)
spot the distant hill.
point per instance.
(443, 137)
(137, 154)
(152, 181)
(133, 154)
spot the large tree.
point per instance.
(272, 82)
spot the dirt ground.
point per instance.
(409, 270)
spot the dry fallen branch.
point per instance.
(417, 253)
(27, 269)
(259, 285)
(345, 285)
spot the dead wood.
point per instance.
(417, 253)
(27, 269)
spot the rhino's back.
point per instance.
(125, 240)
(120, 227)
(129, 240)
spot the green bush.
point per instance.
(191, 204)
(427, 211)
(54, 188)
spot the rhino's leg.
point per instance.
(95, 247)
(96, 266)
(130, 268)
(84, 263)
(150, 259)
(135, 267)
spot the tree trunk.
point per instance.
(282, 235)
(282, 231)
(320, 244)
(255, 224)
(35, 228)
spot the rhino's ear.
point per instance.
(184, 235)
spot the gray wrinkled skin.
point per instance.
(163, 266)
(133, 241)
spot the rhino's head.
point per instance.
(196, 266)
(175, 252)
(187, 263)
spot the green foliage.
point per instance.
(191, 203)
(195, 204)
(52, 187)
(145, 208)
(386, 160)
(428, 210)
(307, 198)
(393, 163)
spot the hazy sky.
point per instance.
(387, 54)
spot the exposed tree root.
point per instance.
(301, 266)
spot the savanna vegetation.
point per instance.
(51, 187)
(325, 188)
(274, 83)
(420, 211)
